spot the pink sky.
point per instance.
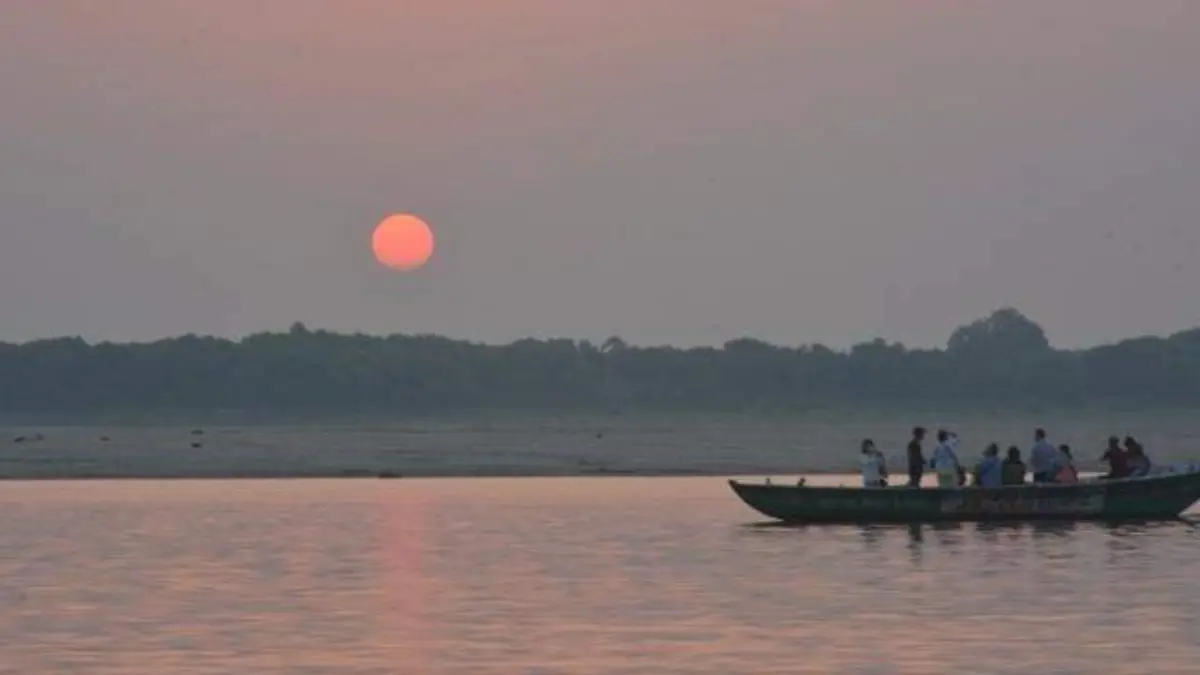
(670, 171)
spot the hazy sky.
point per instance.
(682, 171)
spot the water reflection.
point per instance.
(872, 535)
(954, 537)
(916, 539)
(569, 576)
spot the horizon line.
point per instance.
(300, 327)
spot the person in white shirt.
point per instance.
(945, 459)
(1139, 463)
(1044, 458)
(874, 466)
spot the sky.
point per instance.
(670, 171)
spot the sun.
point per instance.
(402, 242)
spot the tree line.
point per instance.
(1004, 359)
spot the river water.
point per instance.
(619, 444)
(563, 575)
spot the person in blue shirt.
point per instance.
(989, 473)
(1043, 458)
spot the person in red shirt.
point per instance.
(1117, 458)
(1066, 474)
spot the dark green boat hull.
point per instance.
(1151, 498)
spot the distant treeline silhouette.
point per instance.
(1004, 359)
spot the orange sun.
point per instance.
(403, 242)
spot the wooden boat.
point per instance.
(1162, 496)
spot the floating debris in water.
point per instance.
(197, 445)
(197, 432)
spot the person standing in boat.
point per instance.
(1043, 458)
(874, 466)
(945, 459)
(916, 458)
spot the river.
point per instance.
(563, 575)
(506, 444)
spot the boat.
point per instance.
(1163, 495)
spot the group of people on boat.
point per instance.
(1047, 463)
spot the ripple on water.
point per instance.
(564, 576)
